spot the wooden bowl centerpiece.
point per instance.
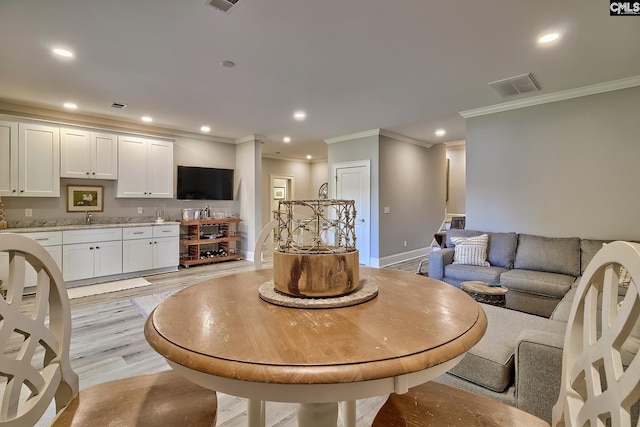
(315, 253)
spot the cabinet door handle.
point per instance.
(138, 232)
(151, 243)
(87, 173)
(97, 247)
(91, 248)
(93, 173)
(43, 239)
(166, 231)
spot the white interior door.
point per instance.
(353, 182)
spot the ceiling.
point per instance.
(405, 66)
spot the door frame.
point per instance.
(366, 163)
(291, 190)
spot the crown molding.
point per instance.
(292, 159)
(351, 136)
(456, 145)
(554, 97)
(403, 138)
(249, 138)
(377, 132)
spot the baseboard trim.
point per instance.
(404, 256)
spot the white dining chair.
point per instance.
(35, 338)
(264, 244)
(600, 368)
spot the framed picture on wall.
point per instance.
(279, 193)
(81, 198)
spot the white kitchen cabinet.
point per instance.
(166, 248)
(29, 160)
(147, 248)
(8, 158)
(91, 253)
(88, 154)
(145, 168)
(51, 241)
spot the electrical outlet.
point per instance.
(387, 209)
(140, 210)
(28, 213)
(405, 243)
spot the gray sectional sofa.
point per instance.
(519, 359)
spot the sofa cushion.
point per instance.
(502, 249)
(537, 282)
(502, 246)
(471, 250)
(490, 363)
(551, 254)
(588, 248)
(461, 273)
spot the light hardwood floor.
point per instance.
(108, 343)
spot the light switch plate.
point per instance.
(28, 213)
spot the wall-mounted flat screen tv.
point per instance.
(198, 183)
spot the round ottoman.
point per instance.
(482, 292)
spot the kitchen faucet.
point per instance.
(88, 217)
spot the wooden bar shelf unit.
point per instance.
(208, 240)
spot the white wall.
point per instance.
(567, 168)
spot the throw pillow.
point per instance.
(471, 250)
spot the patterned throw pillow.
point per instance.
(471, 250)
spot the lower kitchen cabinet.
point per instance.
(88, 260)
(147, 248)
(91, 253)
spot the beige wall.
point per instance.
(410, 180)
(412, 185)
(566, 168)
(305, 177)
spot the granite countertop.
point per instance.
(53, 225)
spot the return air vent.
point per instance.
(515, 85)
(118, 105)
(223, 5)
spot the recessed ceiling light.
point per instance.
(440, 132)
(147, 119)
(549, 37)
(228, 64)
(70, 105)
(286, 139)
(299, 115)
(205, 128)
(308, 156)
(62, 52)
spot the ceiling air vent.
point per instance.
(118, 105)
(223, 5)
(515, 85)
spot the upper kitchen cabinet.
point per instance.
(86, 154)
(29, 160)
(145, 168)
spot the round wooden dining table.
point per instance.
(220, 334)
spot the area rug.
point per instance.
(146, 303)
(103, 288)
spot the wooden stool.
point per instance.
(481, 292)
